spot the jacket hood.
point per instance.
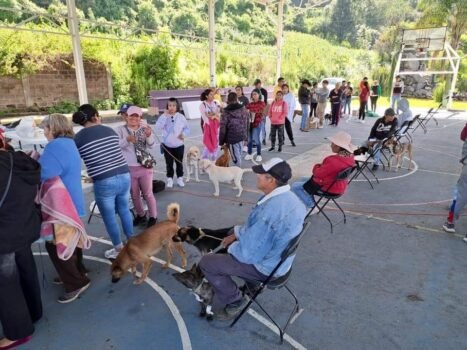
(403, 105)
(233, 106)
(24, 167)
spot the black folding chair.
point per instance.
(276, 283)
(365, 162)
(327, 196)
(423, 121)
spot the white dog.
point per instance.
(192, 160)
(223, 174)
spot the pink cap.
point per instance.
(135, 110)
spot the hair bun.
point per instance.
(79, 118)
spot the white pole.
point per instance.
(396, 72)
(212, 44)
(453, 83)
(77, 56)
(279, 39)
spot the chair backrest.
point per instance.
(344, 174)
(293, 245)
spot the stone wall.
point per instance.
(53, 85)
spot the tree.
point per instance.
(147, 15)
(342, 24)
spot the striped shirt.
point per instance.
(99, 147)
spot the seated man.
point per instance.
(383, 128)
(255, 248)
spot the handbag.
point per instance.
(143, 157)
(8, 184)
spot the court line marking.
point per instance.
(250, 311)
(184, 335)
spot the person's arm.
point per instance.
(223, 129)
(255, 240)
(402, 86)
(123, 137)
(393, 127)
(185, 130)
(373, 130)
(325, 169)
(160, 124)
(50, 165)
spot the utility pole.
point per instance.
(279, 39)
(212, 43)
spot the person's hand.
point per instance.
(131, 138)
(181, 137)
(147, 131)
(229, 240)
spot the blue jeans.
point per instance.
(113, 195)
(377, 155)
(395, 98)
(236, 153)
(347, 105)
(305, 115)
(262, 134)
(254, 137)
(306, 198)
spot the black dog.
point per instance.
(328, 118)
(194, 280)
(205, 240)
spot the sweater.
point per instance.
(172, 127)
(128, 148)
(383, 129)
(364, 94)
(290, 100)
(304, 95)
(335, 96)
(61, 158)
(258, 109)
(233, 126)
(278, 112)
(324, 174)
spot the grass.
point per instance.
(423, 103)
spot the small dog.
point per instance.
(313, 123)
(398, 151)
(139, 249)
(194, 280)
(192, 162)
(328, 118)
(220, 174)
(224, 159)
(205, 240)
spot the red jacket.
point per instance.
(464, 133)
(277, 112)
(257, 108)
(325, 173)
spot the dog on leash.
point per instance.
(139, 249)
(194, 280)
(220, 174)
(205, 240)
(224, 159)
(398, 151)
(192, 163)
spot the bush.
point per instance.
(64, 107)
(438, 93)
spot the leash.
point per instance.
(166, 150)
(203, 234)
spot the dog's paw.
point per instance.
(215, 194)
(210, 317)
(238, 195)
(166, 265)
(202, 314)
(138, 281)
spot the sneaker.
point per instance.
(259, 158)
(320, 127)
(248, 157)
(375, 167)
(170, 182)
(151, 222)
(279, 149)
(139, 220)
(449, 227)
(245, 149)
(230, 311)
(180, 182)
(57, 280)
(465, 238)
(271, 149)
(69, 297)
(111, 253)
(293, 144)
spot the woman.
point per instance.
(314, 100)
(241, 96)
(277, 113)
(99, 147)
(289, 98)
(61, 158)
(363, 97)
(233, 127)
(335, 99)
(375, 93)
(20, 223)
(256, 108)
(174, 130)
(210, 119)
(304, 98)
(324, 175)
(137, 133)
(348, 100)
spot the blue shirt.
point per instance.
(275, 220)
(61, 158)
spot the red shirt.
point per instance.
(325, 173)
(257, 108)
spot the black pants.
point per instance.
(70, 271)
(313, 106)
(335, 112)
(361, 111)
(172, 155)
(20, 294)
(279, 129)
(373, 99)
(288, 129)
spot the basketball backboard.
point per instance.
(424, 39)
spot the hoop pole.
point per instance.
(279, 39)
(212, 43)
(396, 72)
(453, 83)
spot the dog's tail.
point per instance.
(173, 212)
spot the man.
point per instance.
(323, 94)
(255, 248)
(263, 97)
(124, 109)
(278, 87)
(383, 128)
(304, 98)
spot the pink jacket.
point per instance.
(278, 112)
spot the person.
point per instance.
(263, 97)
(460, 198)
(277, 113)
(241, 96)
(255, 248)
(278, 87)
(289, 98)
(174, 128)
(343, 98)
(348, 99)
(397, 90)
(99, 147)
(304, 98)
(335, 99)
(256, 108)
(136, 133)
(313, 100)
(61, 158)
(324, 175)
(210, 119)
(20, 224)
(323, 94)
(123, 109)
(362, 83)
(233, 127)
(218, 95)
(404, 112)
(375, 93)
(363, 98)
(383, 128)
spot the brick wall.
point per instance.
(55, 84)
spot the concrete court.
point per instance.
(388, 279)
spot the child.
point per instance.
(210, 122)
(278, 113)
(174, 130)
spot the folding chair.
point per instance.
(93, 208)
(341, 176)
(423, 121)
(276, 283)
(364, 161)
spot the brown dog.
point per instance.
(224, 160)
(398, 151)
(139, 249)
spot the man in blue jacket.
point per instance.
(255, 248)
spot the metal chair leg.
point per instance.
(92, 212)
(342, 211)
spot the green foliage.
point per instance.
(64, 107)
(439, 92)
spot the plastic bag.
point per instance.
(26, 127)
